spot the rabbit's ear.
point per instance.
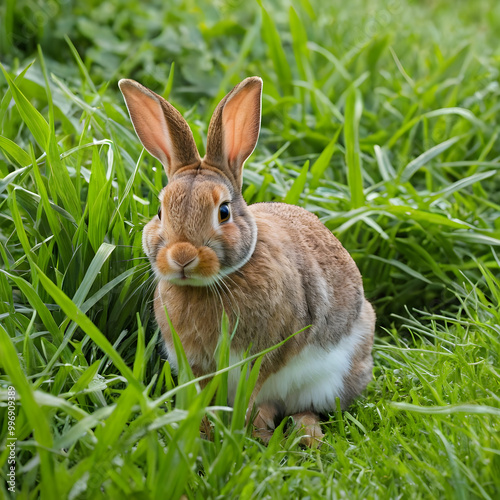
(234, 129)
(160, 127)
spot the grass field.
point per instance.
(380, 117)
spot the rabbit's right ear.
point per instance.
(160, 127)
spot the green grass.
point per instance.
(380, 117)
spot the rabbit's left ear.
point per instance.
(234, 129)
(160, 127)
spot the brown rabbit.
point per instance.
(274, 268)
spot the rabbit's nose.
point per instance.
(182, 254)
(183, 264)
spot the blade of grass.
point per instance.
(293, 195)
(30, 115)
(74, 313)
(407, 173)
(278, 56)
(12, 149)
(353, 111)
(321, 164)
(35, 415)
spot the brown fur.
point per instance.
(362, 363)
(274, 268)
(209, 263)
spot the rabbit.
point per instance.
(273, 267)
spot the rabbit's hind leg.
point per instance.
(264, 422)
(308, 424)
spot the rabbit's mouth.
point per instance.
(186, 279)
(183, 280)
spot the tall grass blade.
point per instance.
(353, 111)
(416, 164)
(30, 115)
(278, 56)
(293, 195)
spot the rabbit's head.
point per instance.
(203, 230)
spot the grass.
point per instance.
(380, 117)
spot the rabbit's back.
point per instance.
(330, 279)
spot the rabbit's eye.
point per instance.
(224, 212)
(159, 213)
